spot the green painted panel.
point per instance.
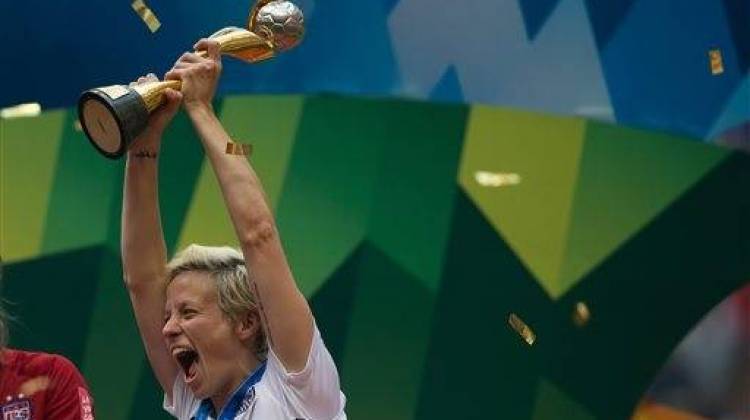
(325, 204)
(270, 124)
(627, 177)
(532, 216)
(83, 192)
(416, 185)
(388, 328)
(664, 279)
(57, 320)
(207, 220)
(28, 160)
(112, 333)
(181, 168)
(552, 403)
(477, 367)
(333, 303)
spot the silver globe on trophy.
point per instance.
(113, 116)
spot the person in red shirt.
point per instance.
(38, 386)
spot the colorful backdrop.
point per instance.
(410, 250)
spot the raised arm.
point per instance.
(284, 310)
(144, 255)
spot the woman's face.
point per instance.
(204, 343)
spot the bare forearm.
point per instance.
(144, 254)
(143, 248)
(283, 309)
(242, 190)
(144, 261)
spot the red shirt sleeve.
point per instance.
(68, 397)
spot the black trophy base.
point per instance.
(112, 118)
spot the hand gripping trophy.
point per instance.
(113, 116)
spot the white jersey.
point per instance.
(311, 394)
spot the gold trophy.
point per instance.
(113, 116)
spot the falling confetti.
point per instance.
(526, 333)
(34, 385)
(496, 179)
(147, 15)
(581, 314)
(20, 111)
(717, 63)
(239, 149)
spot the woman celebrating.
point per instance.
(228, 333)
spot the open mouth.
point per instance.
(188, 360)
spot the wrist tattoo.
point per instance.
(145, 154)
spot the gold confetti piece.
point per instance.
(581, 314)
(526, 333)
(34, 385)
(239, 149)
(496, 179)
(77, 126)
(147, 15)
(21, 111)
(717, 63)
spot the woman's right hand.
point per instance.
(150, 140)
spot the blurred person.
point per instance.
(709, 371)
(227, 332)
(36, 386)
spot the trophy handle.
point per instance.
(152, 92)
(243, 45)
(235, 42)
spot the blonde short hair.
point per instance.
(226, 266)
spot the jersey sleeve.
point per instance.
(314, 391)
(68, 396)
